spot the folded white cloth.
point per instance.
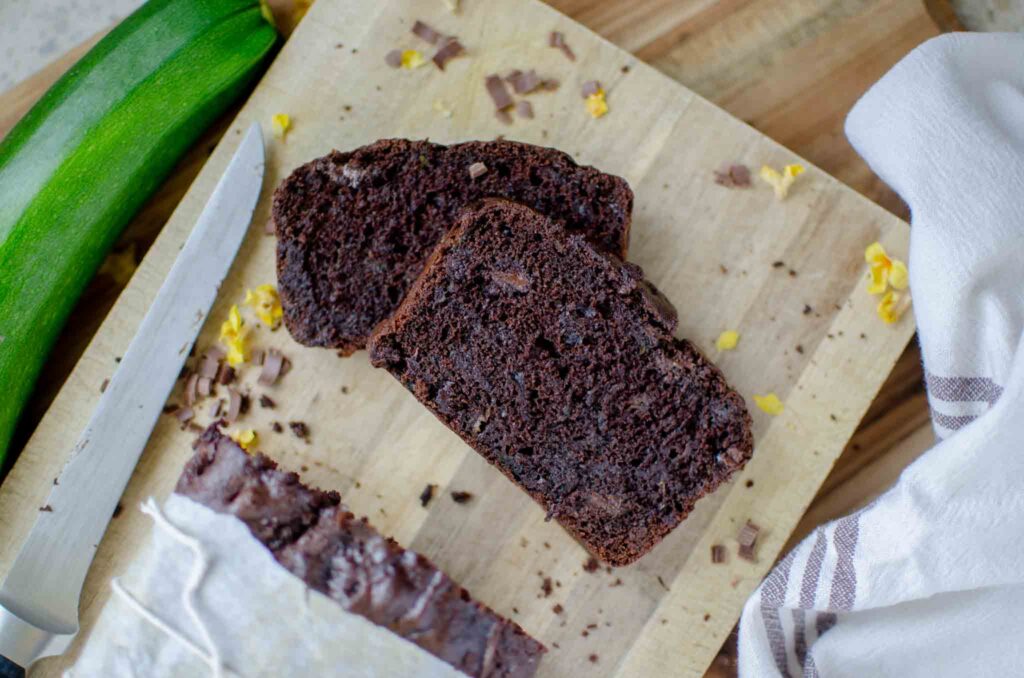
(186, 607)
(928, 580)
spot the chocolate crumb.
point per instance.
(460, 497)
(584, 633)
(833, 417)
(46, 509)
(104, 385)
(733, 176)
(558, 609)
(547, 545)
(523, 542)
(617, 582)
(299, 428)
(515, 610)
(591, 627)
(807, 309)
(556, 646)
(717, 554)
(707, 616)
(590, 88)
(546, 587)
(449, 49)
(723, 269)
(593, 658)
(557, 40)
(267, 402)
(863, 336)
(427, 494)
(344, 390)
(792, 273)
(304, 468)
(276, 427)
(778, 264)
(799, 348)
(422, 30)
(499, 94)
(624, 69)
(662, 582)
(749, 483)
(664, 622)
(591, 565)
(117, 510)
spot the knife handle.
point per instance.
(9, 669)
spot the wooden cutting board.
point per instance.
(711, 249)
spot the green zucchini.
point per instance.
(78, 166)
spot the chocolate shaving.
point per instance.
(393, 58)
(426, 495)
(748, 534)
(234, 405)
(499, 94)
(189, 395)
(204, 386)
(717, 554)
(209, 366)
(524, 82)
(422, 30)
(450, 49)
(525, 110)
(477, 169)
(267, 403)
(185, 415)
(733, 176)
(299, 429)
(226, 374)
(272, 367)
(461, 497)
(590, 87)
(557, 40)
(747, 539)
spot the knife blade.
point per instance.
(40, 595)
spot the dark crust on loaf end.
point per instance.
(558, 365)
(354, 228)
(313, 535)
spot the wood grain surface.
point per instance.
(766, 42)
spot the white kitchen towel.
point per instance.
(928, 580)
(186, 608)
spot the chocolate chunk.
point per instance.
(426, 495)
(461, 497)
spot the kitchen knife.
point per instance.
(39, 597)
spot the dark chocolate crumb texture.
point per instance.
(354, 228)
(315, 537)
(557, 363)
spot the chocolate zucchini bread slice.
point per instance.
(312, 534)
(557, 363)
(355, 228)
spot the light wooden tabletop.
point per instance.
(790, 68)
